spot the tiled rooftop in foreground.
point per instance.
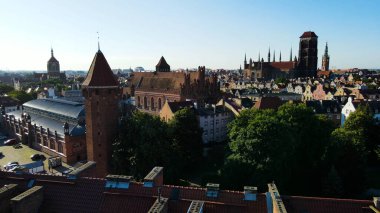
(121, 194)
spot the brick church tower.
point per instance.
(308, 55)
(102, 94)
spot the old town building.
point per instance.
(304, 66)
(152, 89)
(102, 95)
(326, 60)
(53, 70)
(53, 126)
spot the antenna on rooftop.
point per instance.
(98, 42)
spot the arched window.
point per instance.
(138, 102)
(152, 103)
(145, 103)
(159, 103)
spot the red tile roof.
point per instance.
(90, 195)
(100, 73)
(283, 65)
(299, 204)
(268, 103)
(324, 73)
(308, 34)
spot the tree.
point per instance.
(281, 80)
(260, 140)
(22, 96)
(333, 186)
(310, 135)
(186, 136)
(285, 145)
(4, 89)
(141, 145)
(347, 152)
(362, 123)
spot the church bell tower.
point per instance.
(102, 95)
(308, 55)
(326, 59)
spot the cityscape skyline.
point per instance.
(187, 34)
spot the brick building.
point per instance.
(304, 66)
(53, 126)
(102, 95)
(152, 89)
(115, 193)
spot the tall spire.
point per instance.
(269, 54)
(280, 56)
(259, 57)
(245, 59)
(52, 52)
(291, 54)
(326, 50)
(274, 55)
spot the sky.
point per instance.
(188, 33)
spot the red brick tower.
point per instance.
(102, 94)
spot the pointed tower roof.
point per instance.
(52, 58)
(162, 65)
(162, 62)
(326, 50)
(100, 73)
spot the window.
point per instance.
(60, 148)
(145, 103)
(152, 103)
(206, 123)
(217, 122)
(52, 144)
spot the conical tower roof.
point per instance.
(162, 65)
(100, 73)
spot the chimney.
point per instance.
(159, 206)
(196, 206)
(250, 193)
(376, 202)
(155, 177)
(118, 181)
(212, 190)
(87, 169)
(274, 197)
(6, 193)
(28, 201)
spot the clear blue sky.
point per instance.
(189, 33)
